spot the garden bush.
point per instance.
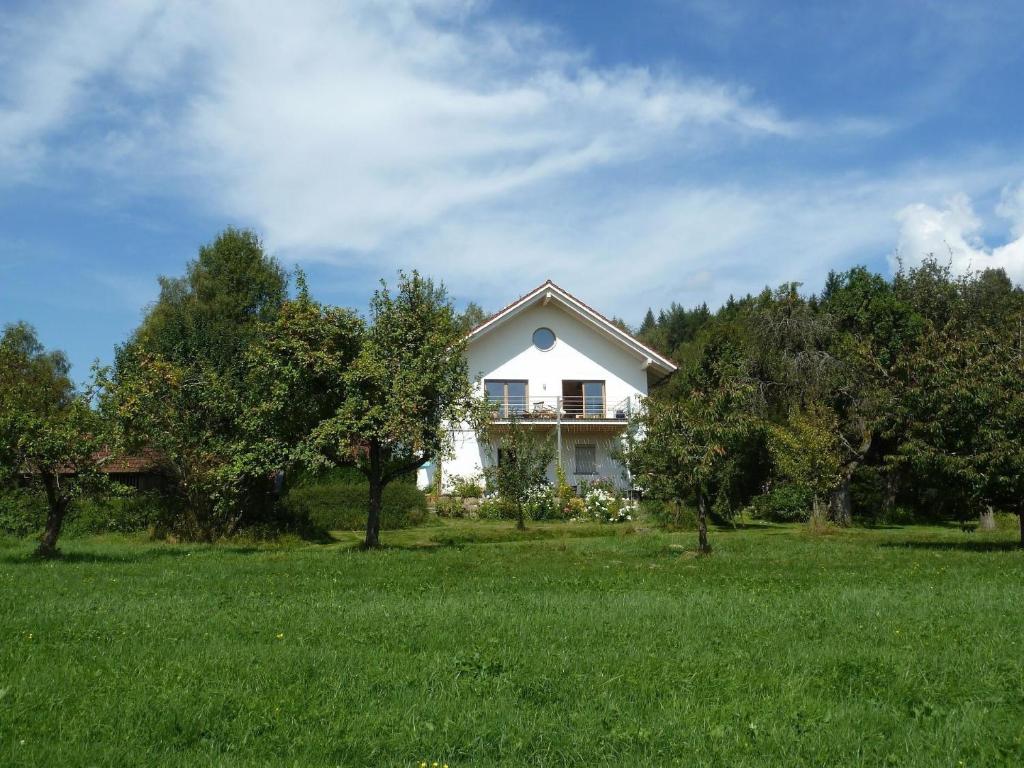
(604, 503)
(449, 506)
(22, 512)
(784, 504)
(671, 515)
(867, 493)
(494, 508)
(542, 504)
(115, 514)
(338, 500)
(467, 487)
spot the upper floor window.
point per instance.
(509, 396)
(543, 339)
(583, 398)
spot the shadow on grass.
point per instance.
(746, 526)
(431, 545)
(437, 538)
(29, 558)
(955, 546)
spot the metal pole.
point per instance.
(558, 427)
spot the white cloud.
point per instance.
(424, 133)
(335, 126)
(47, 61)
(340, 131)
(953, 233)
(1011, 207)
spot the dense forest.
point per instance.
(880, 399)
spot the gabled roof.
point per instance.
(548, 292)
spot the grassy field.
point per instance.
(467, 644)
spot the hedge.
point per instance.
(338, 501)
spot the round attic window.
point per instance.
(543, 339)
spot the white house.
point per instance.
(561, 368)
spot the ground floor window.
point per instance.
(586, 459)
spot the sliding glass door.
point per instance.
(583, 399)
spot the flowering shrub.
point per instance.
(540, 503)
(575, 509)
(603, 502)
(492, 507)
(566, 507)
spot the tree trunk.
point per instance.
(892, 487)
(702, 524)
(840, 505)
(373, 518)
(819, 513)
(987, 520)
(520, 517)
(57, 507)
(376, 491)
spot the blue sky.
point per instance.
(636, 153)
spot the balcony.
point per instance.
(566, 410)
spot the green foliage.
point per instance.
(126, 513)
(49, 432)
(22, 512)
(919, 375)
(497, 508)
(228, 383)
(449, 507)
(397, 397)
(212, 314)
(186, 415)
(678, 448)
(670, 515)
(674, 329)
(965, 408)
(296, 379)
(337, 501)
(467, 487)
(518, 474)
(472, 316)
(182, 387)
(785, 503)
(806, 450)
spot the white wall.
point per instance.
(580, 353)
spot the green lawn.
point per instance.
(463, 644)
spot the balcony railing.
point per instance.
(554, 408)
